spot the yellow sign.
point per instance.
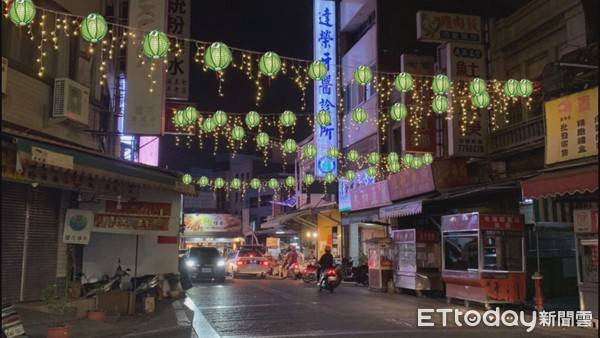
(572, 126)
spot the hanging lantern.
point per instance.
(392, 157)
(329, 178)
(287, 118)
(93, 28)
(203, 181)
(323, 118)
(186, 179)
(308, 179)
(289, 146)
(156, 45)
(393, 167)
(417, 162)
(219, 183)
(403, 82)
(359, 115)
(372, 171)
(350, 175)
(235, 183)
(290, 182)
(220, 118)
(352, 155)
(310, 151)
(480, 100)
(373, 158)
(525, 88)
(363, 75)
(217, 56)
(22, 12)
(477, 86)
(439, 104)
(252, 119)
(269, 64)
(427, 158)
(255, 183)
(333, 152)
(398, 111)
(440, 84)
(511, 88)
(407, 159)
(190, 115)
(273, 184)
(178, 119)
(209, 125)
(262, 140)
(317, 70)
(238, 133)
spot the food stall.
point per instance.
(585, 223)
(417, 260)
(381, 254)
(483, 258)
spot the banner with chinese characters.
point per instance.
(324, 40)
(206, 224)
(133, 217)
(440, 27)
(345, 186)
(178, 24)
(572, 126)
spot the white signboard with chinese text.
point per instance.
(78, 226)
(178, 24)
(144, 114)
(441, 27)
(325, 98)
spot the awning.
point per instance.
(566, 181)
(281, 220)
(370, 216)
(408, 207)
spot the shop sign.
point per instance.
(460, 222)
(572, 126)
(202, 224)
(273, 242)
(441, 27)
(585, 221)
(371, 196)
(78, 226)
(344, 188)
(450, 173)
(51, 158)
(501, 222)
(178, 24)
(411, 182)
(133, 217)
(407, 235)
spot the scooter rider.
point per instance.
(290, 259)
(325, 262)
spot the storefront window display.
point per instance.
(461, 252)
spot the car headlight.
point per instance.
(190, 263)
(221, 262)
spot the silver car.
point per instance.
(248, 262)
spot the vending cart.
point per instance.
(585, 223)
(380, 254)
(483, 258)
(417, 260)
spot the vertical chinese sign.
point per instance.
(572, 126)
(178, 24)
(325, 43)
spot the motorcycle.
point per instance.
(294, 271)
(11, 322)
(105, 284)
(310, 273)
(330, 279)
(361, 274)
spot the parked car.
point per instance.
(205, 263)
(248, 261)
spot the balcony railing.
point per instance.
(520, 136)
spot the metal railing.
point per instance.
(526, 134)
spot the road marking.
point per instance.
(182, 318)
(320, 333)
(201, 325)
(248, 305)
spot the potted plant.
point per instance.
(56, 302)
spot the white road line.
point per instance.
(201, 325)
(247, 305)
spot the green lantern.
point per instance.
(219, 183)
(352, 155)
(220, 118)
(235, 183)
(190, 115)
(525, 88)
(179, 119)
(262, 140)
(363, 75)
(156, 45)
(350, 175)
(427, 158)
(317, 70)
(440, 84)
(252, 119)
(392, 157)
(323, 118)
(372, 171)
(290, 182)
(403, 82)
(287, 118)
(22, 12)
(393, 167)
(308, 179)
(255, 183)
(93, 28)
(203, 181)
(289, 146)
(209, 125)
(273, 184)
(480, 100)
(511, 88)
(407, 159)
(186, 179)
(359, 115)
(217, 56)
(333, 152)
(373, 158)
(477, 86)
(238, 133)
(329, 178)
(310, 151)
(439, 104)
(398, 111)
(269, 64)
(417, 162)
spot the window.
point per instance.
(461, 252)
(502, 250)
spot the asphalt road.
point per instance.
(285, 308)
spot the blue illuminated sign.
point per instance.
(325, 90)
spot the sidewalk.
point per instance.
(171, 319)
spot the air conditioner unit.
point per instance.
(71, 101)
(4, 72)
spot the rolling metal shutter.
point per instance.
(14, 198)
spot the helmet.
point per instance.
(327, 249)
